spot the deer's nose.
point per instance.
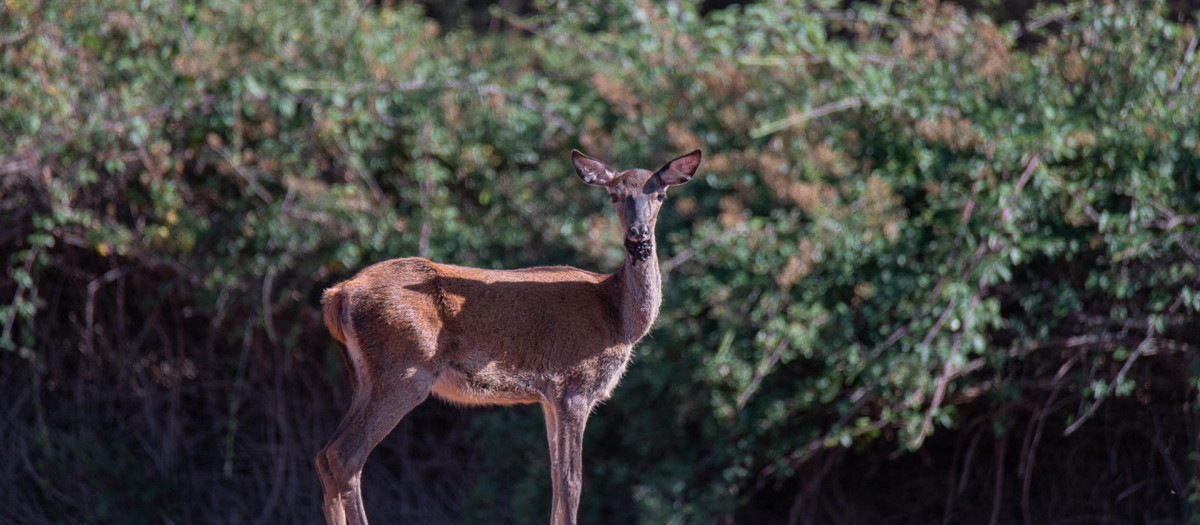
(638, 233)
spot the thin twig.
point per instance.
(558, 121)
(1145, 346)
(1172, 470)
(90, 309)
(9, 40)
(801, 454)
(878, 17)
(1091, 409)
(683, 256)
(998, 495)
(351, 161)
(426, 197)
(1191, 251)
(268, 322)
(813, 483)
(187, 28)
(949, 372)
(391, 87)
(937, 326)
(769, 361)
(235, 399)
(796, 120)
(1029, 451)
(353, 20)
(780, 60)
(27, 164)
(1006, 213)
(1061, 17)
(250, 179)
(515, 20)
(957, 489)
(1187, 57)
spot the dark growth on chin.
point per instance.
(639, 251)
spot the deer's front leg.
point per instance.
(572, 412)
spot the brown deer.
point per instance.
(554, 335)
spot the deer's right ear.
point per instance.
(592, 171)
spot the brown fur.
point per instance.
(553, 335)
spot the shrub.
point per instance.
(907, 223)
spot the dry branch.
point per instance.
(796, 120)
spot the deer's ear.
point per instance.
(680, 170)
(592, 171)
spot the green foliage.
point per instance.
(901, 211)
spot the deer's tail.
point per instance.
(332, 306)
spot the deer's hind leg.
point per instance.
(382, 397)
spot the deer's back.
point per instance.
(498, 335)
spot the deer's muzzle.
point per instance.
(639, 233)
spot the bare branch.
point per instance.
(1033, 437)
(353, 20)
(796, 120)
(250, 178)
(998, 495)
(268, 323)
(1187, 57)
(9, 40)
(1006, 213)
(1062, 16)
(1147, 346)
(23, 164)
(685, 255)
(391, 87)
(769, 361)
(948, 370)
(183, 23)
(352, 161)
(1146, 343)
(90, 308)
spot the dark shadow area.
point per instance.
(1127, 464)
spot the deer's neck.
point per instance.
(641, 289)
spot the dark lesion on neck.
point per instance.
(639, 251)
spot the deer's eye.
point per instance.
(613, 197)
(660, 196)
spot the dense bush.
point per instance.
(917, 230)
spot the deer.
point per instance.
(558, 336)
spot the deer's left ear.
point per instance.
(680, 170)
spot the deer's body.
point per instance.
(555, 335)
(492, 336)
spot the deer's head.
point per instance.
(637, 194)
